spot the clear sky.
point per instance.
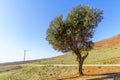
(23, 25)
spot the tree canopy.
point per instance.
(75, 32)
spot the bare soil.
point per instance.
(94, 73)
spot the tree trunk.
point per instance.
(80, 67)
(80, 61)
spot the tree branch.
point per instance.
(85, 56)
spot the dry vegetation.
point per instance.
(48, 72)
(30, 72)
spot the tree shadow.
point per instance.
(114, 76)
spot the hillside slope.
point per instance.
(105, 52)
(109, 42)
(103, 55)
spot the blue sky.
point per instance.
(23, 25)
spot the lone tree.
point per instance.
(75, 32)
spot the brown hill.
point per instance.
(109, 42)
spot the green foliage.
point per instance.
(76, 31)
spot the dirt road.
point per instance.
(104, 72)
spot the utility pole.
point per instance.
(24, 55)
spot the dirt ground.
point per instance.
(95, 73)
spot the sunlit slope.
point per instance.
(106, 51)
(109, 42)
(103, 55)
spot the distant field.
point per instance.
(32, 72)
